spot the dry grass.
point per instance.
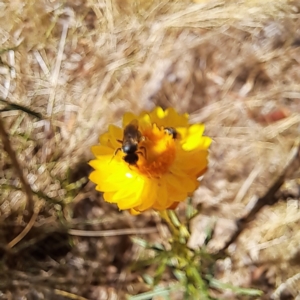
(81, 65)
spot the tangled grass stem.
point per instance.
(11, 153)
(26, 187)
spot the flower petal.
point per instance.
(128, 117)
(148, 195)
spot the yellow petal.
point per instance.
(148, 195)
(162, 202)
(116, 132)
(100, 150)
(128, 117)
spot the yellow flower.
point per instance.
(165, 168)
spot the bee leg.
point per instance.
(117, 150)
(121, 142)
(144, 153)
(129, 166)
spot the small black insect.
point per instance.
(130, 143)
(172, 131)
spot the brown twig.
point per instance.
(270, 198)
(25, 186)
(68, 295)
(115, 232)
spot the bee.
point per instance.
(172, 131)
(130, 143)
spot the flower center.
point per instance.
(157, 152)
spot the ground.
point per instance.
(70, 68)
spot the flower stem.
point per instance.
(173, 225)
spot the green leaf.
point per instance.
(158, 291)
(238, 290)
(141, 242)
(148, 279)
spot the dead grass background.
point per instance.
(233, 65)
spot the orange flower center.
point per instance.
(157, 152)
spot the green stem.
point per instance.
(173, 228)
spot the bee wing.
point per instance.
(131, 131)
(134, 123)
(138, 136)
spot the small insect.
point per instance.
(171, 131)
(130, 143)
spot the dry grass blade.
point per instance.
(233, 65)
(128, 231)
(68, 295)
(12, 106)
(290, 284)
(271, 197)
